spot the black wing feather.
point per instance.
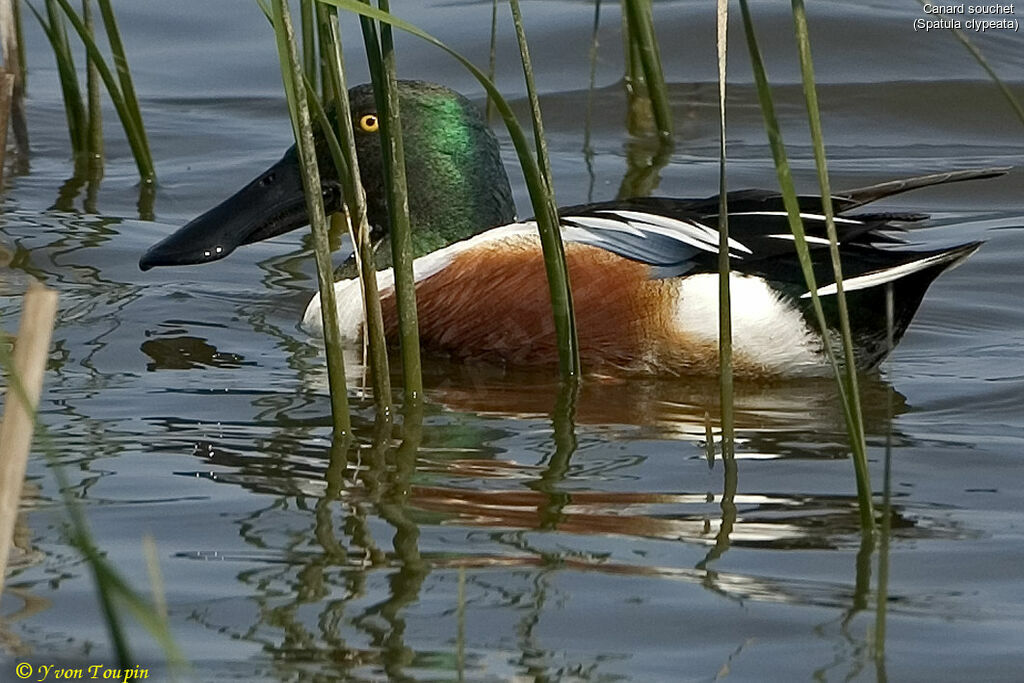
(679, 236)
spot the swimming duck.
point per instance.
(643, 271)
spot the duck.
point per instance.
(643, 271)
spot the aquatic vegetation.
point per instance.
(545, 210)
(120, 88)
(357, 578)
(642, 46)
(846, 381)
(341, 139)
(302, 127)
(380, 53)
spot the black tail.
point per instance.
(851, 199)
(875, 331)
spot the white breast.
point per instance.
(349, 294)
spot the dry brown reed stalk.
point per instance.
(25, 383)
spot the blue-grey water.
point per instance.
(185, 404)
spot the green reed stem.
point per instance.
(124, 76)
(380, 52)
(324, 53)
(308, 41)
(94, 137)
(588, 116)
(725, 378)
(298, 108)
(401, 229)
(884, 538)
(633, 72)
(643, 37)
(347, 163)
(638, 103)
(531, 93)
(492, 58)
(729, 511)
(642, 168)
(565, 326)
(856, 429)
(106, 598)
(803, 253)
(74, 106)
(543, 206)
(123, 96)
(14, 60)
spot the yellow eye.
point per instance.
(369, 123)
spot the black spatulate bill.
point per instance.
(271, 205)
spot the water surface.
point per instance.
(514, 545)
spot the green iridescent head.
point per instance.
(456, 182)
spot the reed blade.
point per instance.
(531, 93)
(492, 58)
(309, 31)
(856, 428)
(643, 43)
(113, 590)
(94, 138)
(347, 162)
(13, 45)
(725, 378)
(25, 374)
(588, 116)
(380, 52)
(565, 326)
(298, 108)
(363, 253)
(789, 196)
(546, 212)
(131, 119)
(13, 42)
(74, 106)
(124, 77)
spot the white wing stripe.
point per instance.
(880, 277)
(809, 238)
(696, 230)
(640, 229)
(603, 224)
(666, 226)
(806, 216)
